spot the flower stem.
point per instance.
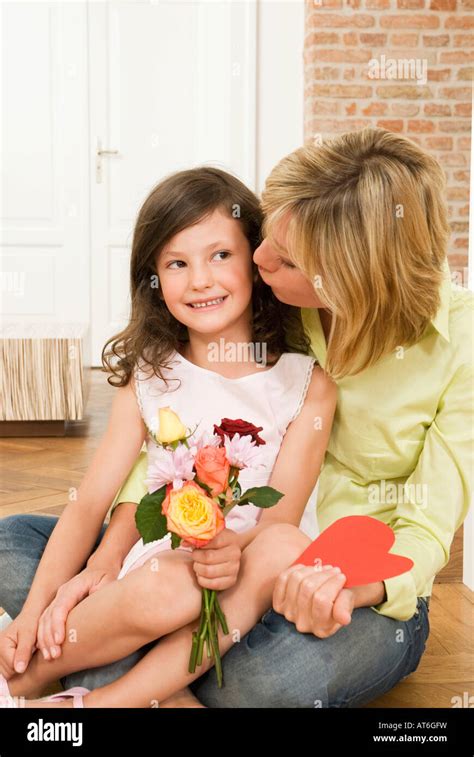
(194, 650)
(221, 617)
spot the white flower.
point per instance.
(205, 440)
(242, 452)
(170, 466)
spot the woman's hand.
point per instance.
(217, 564)
(52, 623)
(314, 599)
(17, 643)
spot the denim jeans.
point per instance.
(273, 665)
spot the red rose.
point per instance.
(229, 428)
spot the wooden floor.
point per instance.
(36, 475)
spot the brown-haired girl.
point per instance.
(193, 286)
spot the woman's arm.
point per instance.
(301, 456)
(72, 540)
(134, 488)
(424, 527)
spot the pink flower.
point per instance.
(241, 451)
(205, 440)
(170, 466)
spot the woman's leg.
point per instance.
(276, 666)
(23, 539)
(164, 670)
(149, 602)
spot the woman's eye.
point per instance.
(222, 252)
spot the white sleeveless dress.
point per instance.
(270, 397)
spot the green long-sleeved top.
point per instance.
(401, 447)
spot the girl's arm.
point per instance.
(301, 456)
(119, 537)
(71, 542)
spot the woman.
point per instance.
(356, 235)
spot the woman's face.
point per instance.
(289, 284)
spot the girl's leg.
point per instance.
(150, 601)
(182, 699)
(164, 670)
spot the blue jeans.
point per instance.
(273, 665)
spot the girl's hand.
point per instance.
(52, 623)
(314, 599)
(217, 564)
(17, 643)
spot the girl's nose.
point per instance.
(201, 277)
(265, 257)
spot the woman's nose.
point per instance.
(263, 257)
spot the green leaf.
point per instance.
(149, 518)
(203, 486)
(175, 540)
(261, 496)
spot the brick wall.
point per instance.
(405, 65)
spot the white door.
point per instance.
(172, 85)
(168, 85)
(44, 202)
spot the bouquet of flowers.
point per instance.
(193, 484)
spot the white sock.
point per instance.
(5, 621)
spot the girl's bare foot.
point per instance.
(182, 698)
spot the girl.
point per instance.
(194, 288)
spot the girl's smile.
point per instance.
(208, 304)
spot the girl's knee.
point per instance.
(283, 534)
(159, 584)
(281, 542)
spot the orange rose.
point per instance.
(213, 468)
(192, 514)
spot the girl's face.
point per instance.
(205, 274)
(289, 284)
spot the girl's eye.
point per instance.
(287, 265)
(176, 262)
(222, 252)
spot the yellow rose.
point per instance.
(192, 514)
(170, 429)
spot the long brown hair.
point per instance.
(368, 224)
(153, 333)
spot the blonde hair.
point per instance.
(368, 226)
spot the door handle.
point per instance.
(98, 160)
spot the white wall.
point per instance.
(280, 82)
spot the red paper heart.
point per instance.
(359, 545)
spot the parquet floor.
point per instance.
(37, 473)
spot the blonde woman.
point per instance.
(355, 235)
